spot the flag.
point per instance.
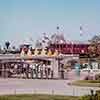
(81, 31)
(44, 33)
(46, 38)
(80, 27)
(43, 41)
(57, 27)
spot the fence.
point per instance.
(68, 92)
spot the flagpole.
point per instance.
(72, 47)
(81, 32)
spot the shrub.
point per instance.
(97, 76)
(88, 78)
(85, 98)
(91, 97)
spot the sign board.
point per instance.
(77, 68)
(94, 65)
(88, 55)
(84, 56)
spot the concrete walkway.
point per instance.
(36, 86)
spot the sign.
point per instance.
(77, 68)
(88, 55)
(94, 65)
(84, 56)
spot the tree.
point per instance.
(7, 44)
(98, 49)
(92, 49)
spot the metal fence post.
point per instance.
(15, 92)
(73, 92)
(52, 92)
(35, 92)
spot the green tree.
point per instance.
(7, 44)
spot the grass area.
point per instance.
(37, 97)
(89, 83)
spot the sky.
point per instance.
(21, 20)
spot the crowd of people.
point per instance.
(31, 70)
(41, 70)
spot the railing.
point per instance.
(74, 91)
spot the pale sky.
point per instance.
(22, 19)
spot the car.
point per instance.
(86, 70)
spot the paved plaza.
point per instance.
(37, 86)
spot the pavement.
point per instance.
(41, 86)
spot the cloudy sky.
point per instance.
(21, 20)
